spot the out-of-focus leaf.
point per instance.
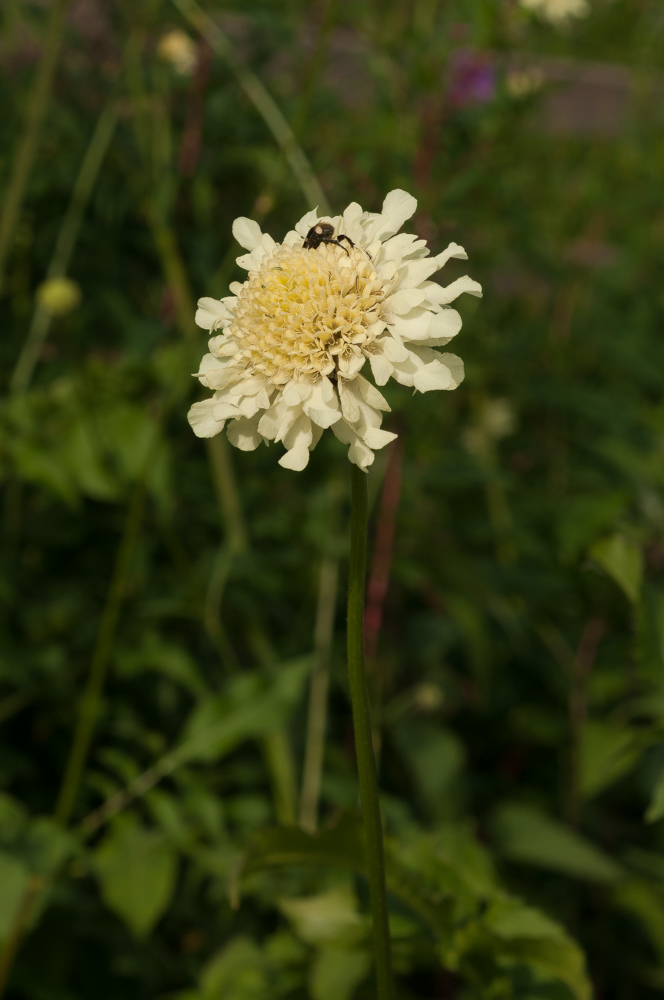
(136, 870)
(655, 810)
(526, 835)
(584, 518)
(646, 903)
(337, 972)
(251, 706)
(473, 627)
(126, 432)
(78, 454)
(622, 559)
(237, 972)
(435, 757)
(518, 934)
(485, 938)
(166, 657)
(608, 753)
(13, 883)
(48, 846)
(13, 818)
(331, 918)
(332, 923)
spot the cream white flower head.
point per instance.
(295, 336)
(557, 11)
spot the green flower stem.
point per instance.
(262, 101)
(366, 764)
(66, 242)
(27, 145)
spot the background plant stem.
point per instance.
(317, 715)
(66, 242)
(262, 100)
(366, 764)
(27, 145)
(99, 665)
(18, 929)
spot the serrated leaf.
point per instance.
(528, 836)
(506, 930)
(136, 870)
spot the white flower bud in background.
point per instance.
(428, 697)
(524, 82)
(178, 49)
(557, 11)
(58, 296)
(495, 420)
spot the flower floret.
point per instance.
(289, 344)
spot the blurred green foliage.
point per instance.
(519, 677)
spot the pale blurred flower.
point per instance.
(557, 11)
(495, 420)
(58, 296)
(178, 49)
(298, 332)
(428, 697)
(524, 82)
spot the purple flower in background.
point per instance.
(472, 78)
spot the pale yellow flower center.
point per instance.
(303, 311)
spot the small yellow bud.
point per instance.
(58, 296)
(428, 697)
(179, 50)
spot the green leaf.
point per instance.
(608, 753)
(585, 517)
(237, 972)
(250, 707)
(337, 972)
(426, 885)
(622, 559)
(136, 870)
(526, 835)
(329, 919)
(13, 883)
(435, 757)
(511, 934)
(48, 846)
(655, 810)
(646, 903)
(164, 656)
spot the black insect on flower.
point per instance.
(323, 232)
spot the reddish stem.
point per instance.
(383, 547)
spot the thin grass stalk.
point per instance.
(318, 691)
(262, 101)
(66, 243)
(101, 656)
(19, 928)
(366, 764)
(86, 719)
(27, 145)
